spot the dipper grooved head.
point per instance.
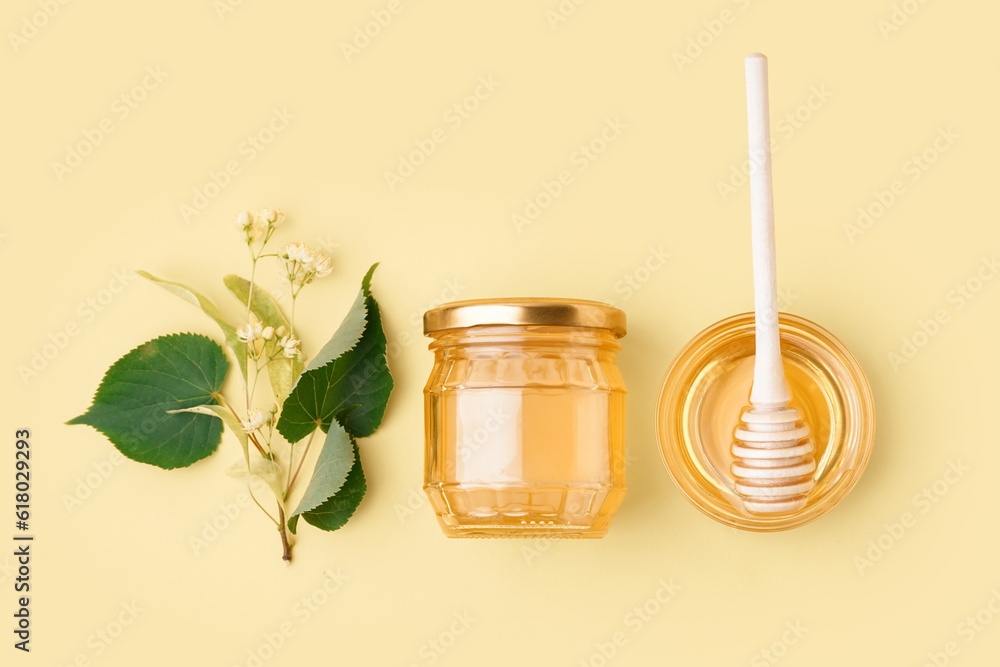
(774, 465)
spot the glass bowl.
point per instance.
(709, 383)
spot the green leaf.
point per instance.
(262, 304)
(334, 463)
(238, 348)
(228, 418)
(135, 405)
(353, 387)
(281, 372)
(350, 330)
(335, 512)
(265, 470)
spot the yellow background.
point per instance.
(447, 230)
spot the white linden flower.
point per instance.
(297, 252)
(250, 332)
(302, 263)
(323, 265)
(291, 346)
(255, 419)
(272, 217)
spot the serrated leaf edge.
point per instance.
(105, 377)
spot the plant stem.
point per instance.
(256, 377)
(256, 443)
(286, 547)
(291, 482)
(257, 502)
(253, 273)
(291, 380)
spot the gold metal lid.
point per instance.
(527, 311)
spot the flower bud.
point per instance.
(268, 333)
(273, 217)
(244, 220)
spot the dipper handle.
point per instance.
(770, 390)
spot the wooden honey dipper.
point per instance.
(774, 467)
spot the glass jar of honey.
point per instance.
(524, 413)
